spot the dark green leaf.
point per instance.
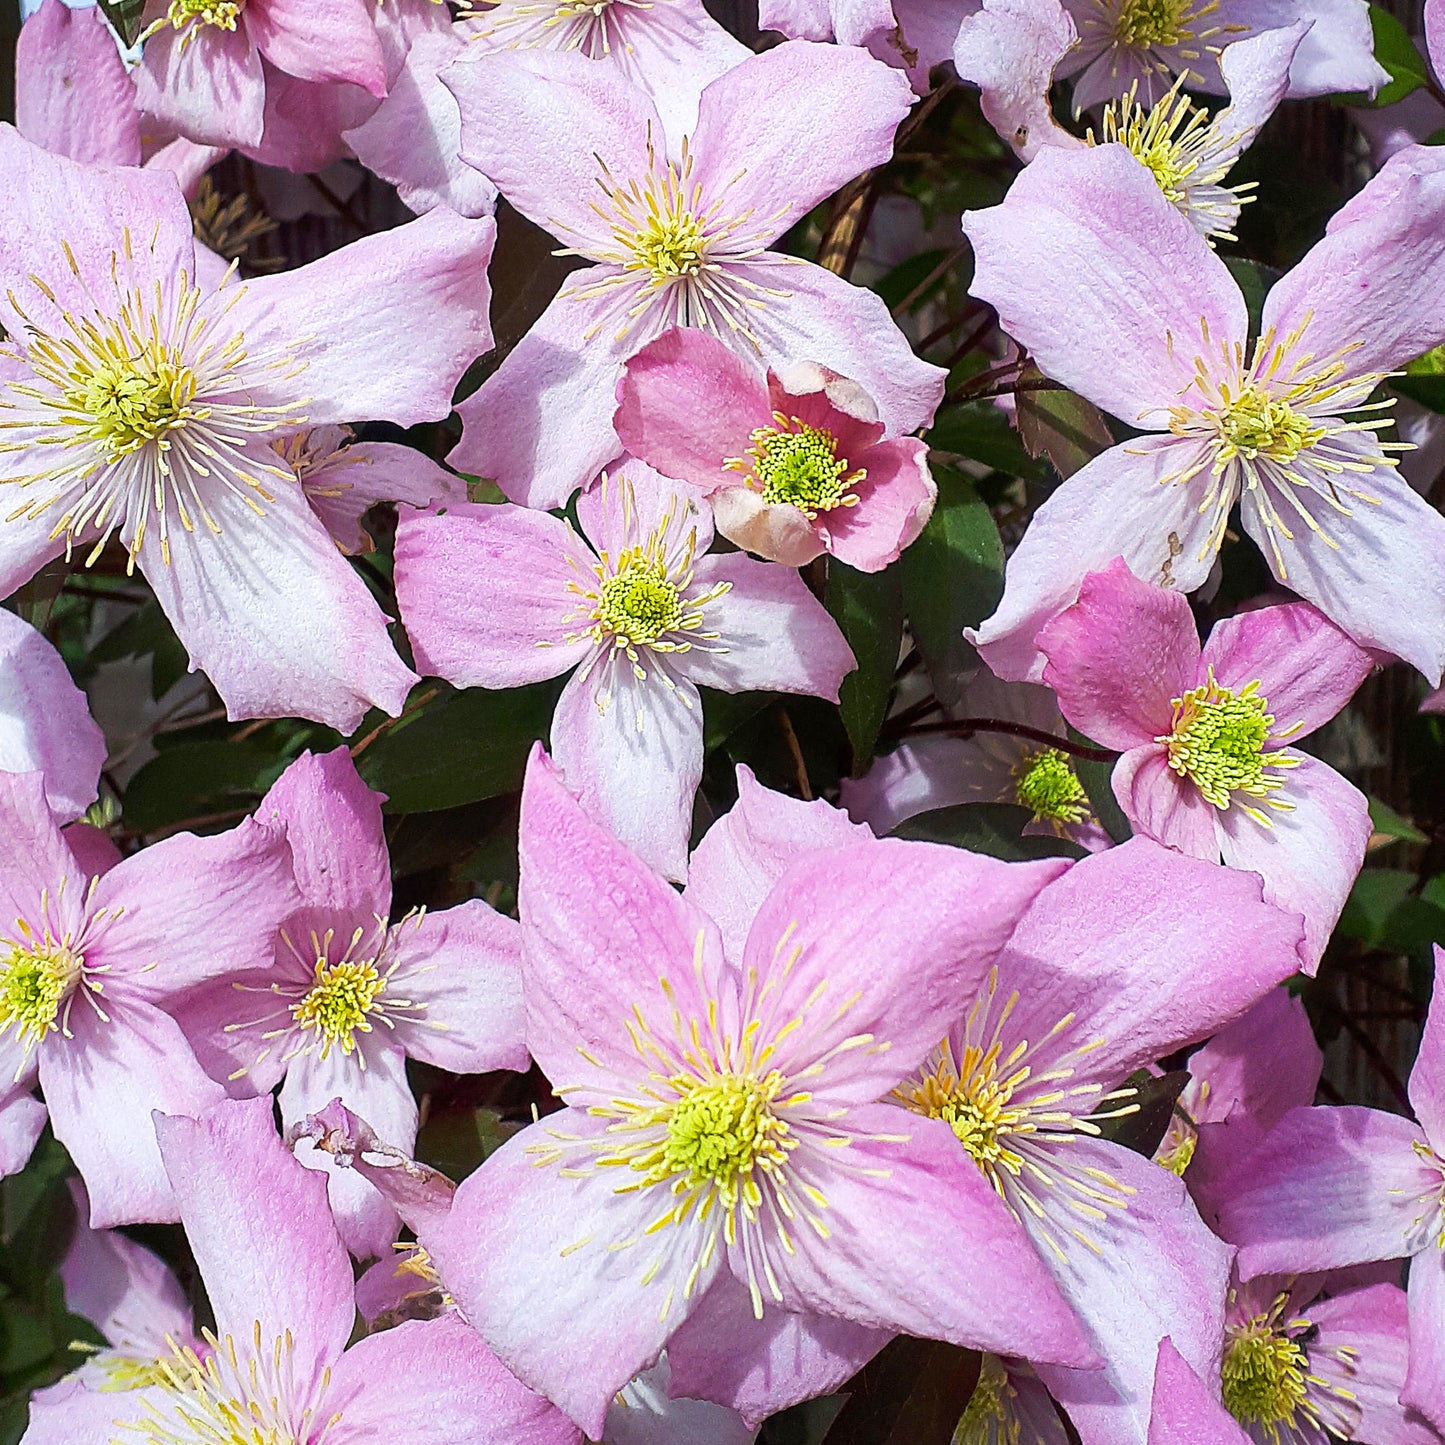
(868, 606)
(723, 713)
(952, 578)
(468, 746)
(1383, 911)
(904, 279)
(1254, 281)
(1387, 823)
(979, 431)
(911, 1393)
(193, 780)
(1399, 55)
(1097, 779)
(1426, 388)
(993, 828)
(1143, 1131)
(125, 18)
(1060, 425)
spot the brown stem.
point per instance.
(965, 727)
(800, 768)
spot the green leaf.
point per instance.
(1399, 55)
(723, 713)
(911, 1393)
(1098, 781)
(979, 431)
(1427, 389)
(868, 607)
(1254, 281)
(906, 277)
(952, 578)
(125, 18)
(1383, 911)
(468, 746)
(1060, 425)
(993, 828)
(1389, 824)
(196, 779)
(1143, 1131)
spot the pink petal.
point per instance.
(302, 125)
(747, 851)
(261, 1234)
(760, 1366)
(1160, 804)
(1159, 1274)
(1093, 270)
(541, 425)
(427, 299)
(802, 19)
(483, 591)
(777, 533)
(187, 162)
(101, 1087)
(347, 484)
(802, 120)
(1427, 1078)
(337, 44)
(896, 501)
(514, 103)
(574, 1324)
(923, 774)
(70, 1413)
(33, 856)
(631, 748)
(1148, 950)
(1384, 581)
(919, 1242)
(1309, 857)
(463, 965)
(1424, 1389)
(1337, 54)
(468, 1398)
(889, 936)
(1329, 1187)
(1122, 504)
(643, 1414)
(45, 722)
(22, 1117)
(686, 403)
(72, 93)
(590, 952)
(774, 635)
(210, 88)
(1184, 1410)
(91, 847)
(414, 137)
(634, 500)
(1256, 72)
(275, 615)
(849, 330)
(1118, 657)
(1306, 667)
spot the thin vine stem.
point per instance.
(967, 726)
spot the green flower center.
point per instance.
(133, 400)
(718, 1133)
(1045, 783)
(339, 1002)
(1256, 424)
(798, 465)
(1218, 743)
(670, 244)
(35, 982)
(1166, 138)
(975, 1104)
(986, 1418)
(1264, 1374)
(639, 603)
(1144, 23)
(221, 13)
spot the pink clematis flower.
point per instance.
(1209, 765)
(499, 596)
(84, 964)
(1144, 43)
(279, 1282)
(1132, 953)
(915, 35)
(1011, 49)
(1097, 275)
(1332, 1187)
(794, 466)
(679, 234)
(146, 405)
(347, 997)
(45, 721)
(720, 1148)
(208, 66)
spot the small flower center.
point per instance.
(338, 1004)
(35, 982)
(1166, 138)
(975, 1102)
(128, 1372)
(221, 13)
(798, 465)
(1176, 1153)
(1045, 783)
(1144, 23)
(669, 244)
(639, 603)
(719, 1132)
(1264, 1374)
(1255, 424)
(987, 1416)
(1218, 743)
(133, 400)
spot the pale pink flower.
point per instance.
(794, 465)
(1115, 295)
(145, 404)
(677, 237)
(501, 596)
(1207, 734)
